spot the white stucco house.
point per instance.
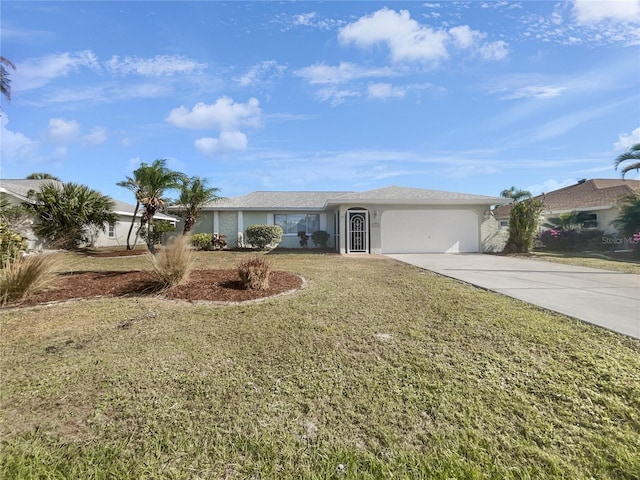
(598, 199)
(385, 220)
(15, 192)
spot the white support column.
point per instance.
(240, 228)
(216, 222)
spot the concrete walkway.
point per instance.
(601, 297)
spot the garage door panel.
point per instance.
(429, 231)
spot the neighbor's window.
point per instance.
(504, 224)
(112, 230)
(291, 224)
(590, 220)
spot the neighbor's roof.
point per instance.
(21, 187)
(123, 208)
(416, 196)
(595, 194)
(275, 201)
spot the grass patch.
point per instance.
(376, 370)
(599, 261)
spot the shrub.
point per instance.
(172, 265)
(261, 236)
(160, 227)
(522, 225)
(201, 241)
(26, 275)
(254, 273)
(572, 240)
(11, 244)
(320, 238)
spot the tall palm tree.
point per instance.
(133, 184)
(194, 193)
(5, 81)
(149, 184)
(632, 154)
(515, 194)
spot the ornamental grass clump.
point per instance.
(254, 273)
(24, 276)
(172, 265)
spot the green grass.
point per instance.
(594, 260)
(375, 370)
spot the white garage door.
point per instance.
(429, 231)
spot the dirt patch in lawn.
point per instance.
(203, 285)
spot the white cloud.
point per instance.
(304, 18)
(550, 185)
(595, 11)
(535, 91)
(626, 141)
(158, 66)
(228, 141)
(335, 95)
(38, 72)
(385, 90)
(321, 74)
(16, 146)
(63, 131)
(258, 73)
(97, 136)
(224, 115)
(406, 39)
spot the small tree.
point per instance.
(159, 229)
(261, 236)
(628, 220)
(523, 224)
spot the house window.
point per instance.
(504, 224)
(112, 230)
(291, 224)
(590, 220)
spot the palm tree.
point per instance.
(149, 184)
(194, 193)
(5, 81)
(515, 194)
(41, 176)
(632, 154)
(628, 220)
(68, 214)
(135, 186)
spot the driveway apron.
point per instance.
(608, 299)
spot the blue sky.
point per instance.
(470, 97)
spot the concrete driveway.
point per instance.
(601, 297)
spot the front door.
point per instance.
(357, 231)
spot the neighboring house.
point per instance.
(598, 199)
(385, 220)
(116, 233)
(16, 193)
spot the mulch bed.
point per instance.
(203, 285)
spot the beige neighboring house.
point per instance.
(599, 199)
(385, 220)
(16, 193)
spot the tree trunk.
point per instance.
(133, 221)
(189, 221)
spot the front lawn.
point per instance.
(375, 370)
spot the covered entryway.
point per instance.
(430, 230)
(357, 230)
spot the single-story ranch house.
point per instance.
(386, 220)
